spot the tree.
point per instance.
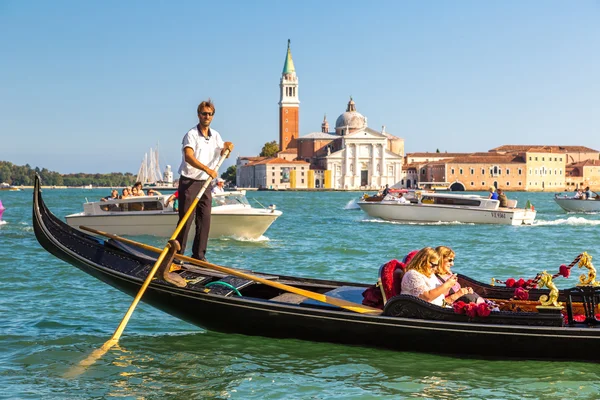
(270, 149)
(437, 150)
(229, 175)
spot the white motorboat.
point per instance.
(445, 207)
(232, 216)
(7, 187)
(572, 204)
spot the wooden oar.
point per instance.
(96, 354)
(348, 305)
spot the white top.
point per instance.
(207, 151)
(402, 200)
(415, 283)
(217, 189)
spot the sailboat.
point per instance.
(150, 174)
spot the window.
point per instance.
(472, 183)
(273, 173)
(460, 171)
(482, 171)
(543, 158)
(472, 171)
(303, 174)
(520, 171)
(529, 158)
(302, 180)
(536, 159)
(560, 170)
(273, 181)
(520, 184)
(530, 172)
(507, 183)
(482, 183)
(452, 171)
(507, 171)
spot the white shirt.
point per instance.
(402, 200)
(207, 151)
(217, 189)
(415, 283)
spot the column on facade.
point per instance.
(373, 166)
(384, 166)
(355, 181)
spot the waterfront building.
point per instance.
(353, 156)
(582, 174)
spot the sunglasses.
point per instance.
(434, 264)
(451, 260)
(207, 114)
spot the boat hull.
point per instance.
(429, 213)
(577, 205)
(238, 225)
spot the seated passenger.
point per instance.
(175, 199)
(125, 193)
(152, 192)
(493, 194)
(114, 195)
(401, 199)
(419, 279)
(502, 197)
(578, 194)
(139, 191)
(588, 193)
(444, 273)
(218, 187)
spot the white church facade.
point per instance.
(352, 157)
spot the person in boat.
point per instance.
(443, 273)
(125, 193)
(420, 280)
(401, 198)
(502, 198)
(578, 194)
(175, 199)
(386, 190)
(588, 193)
(137, 189)
(493, 194)
(218, 187)
(114, 195)
(201, 149)
(152, 192)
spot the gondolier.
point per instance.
(201, 149)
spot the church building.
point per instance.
(353, 156)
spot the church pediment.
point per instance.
(363, 135)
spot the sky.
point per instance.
(90, 86)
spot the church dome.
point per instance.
(351, 119)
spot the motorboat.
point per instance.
(7, 187)
(232, 300)
(232, 216)
(421, 206)
(572, 204)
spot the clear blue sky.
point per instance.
(90, 86)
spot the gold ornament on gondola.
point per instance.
(550, 300)
(590, 279)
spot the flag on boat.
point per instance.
(529, 206)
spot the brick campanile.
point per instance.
(289, 105)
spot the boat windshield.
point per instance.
(148, 205)
(229, 199)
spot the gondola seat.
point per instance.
(407, 306)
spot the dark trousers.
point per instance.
(188, 190)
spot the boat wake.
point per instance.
(262, 238)
(575, 221)
(352, 205)
(2, 222)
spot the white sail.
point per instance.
(150, 173)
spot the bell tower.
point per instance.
(289, 105)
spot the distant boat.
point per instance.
(150, 174)
(231, 216)
(7, 187)
(571, 204)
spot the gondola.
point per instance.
(227, 303)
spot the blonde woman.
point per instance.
(444, 273)
(419, 279)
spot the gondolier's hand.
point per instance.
(211, 172)
(227, 146)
